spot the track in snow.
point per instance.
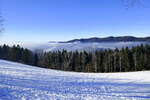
(23, 82)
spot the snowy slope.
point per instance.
(23, 82)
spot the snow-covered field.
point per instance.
(23, 82)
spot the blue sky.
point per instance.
(59, 20)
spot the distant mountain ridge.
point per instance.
(110, 39)
(91, 44)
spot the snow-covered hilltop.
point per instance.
(23, 82)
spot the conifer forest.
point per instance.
(118, 60)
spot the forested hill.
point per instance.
(112, 39)
(118, 60)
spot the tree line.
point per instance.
(17, 54)
(118, 60)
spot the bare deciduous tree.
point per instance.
(1, 23)
(132, 3)
(1, 19)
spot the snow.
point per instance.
(23, 82)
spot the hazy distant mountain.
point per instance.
(91, 44)
(111, 39)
